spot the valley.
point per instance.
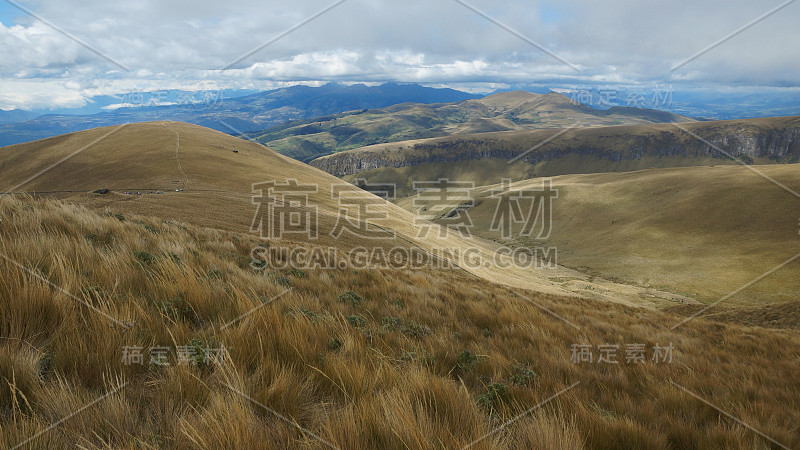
(159, 235)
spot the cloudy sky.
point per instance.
(61, 52)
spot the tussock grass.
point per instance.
(283, 385)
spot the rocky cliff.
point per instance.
(776, 139)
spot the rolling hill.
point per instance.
(362, 357)
(519, 110)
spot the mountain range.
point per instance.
(232, 115)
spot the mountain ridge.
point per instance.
(308, 139)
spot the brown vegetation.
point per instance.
(410, 359)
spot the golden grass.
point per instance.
(702, 232)
(397, 379)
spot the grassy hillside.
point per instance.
(411, 359)
(308, 139)
(700, 231)
(218, 192)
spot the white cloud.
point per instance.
(33, 94)
(173, 44)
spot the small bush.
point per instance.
(495, 394)
(46, 364)
(416, 329)
(356, 321)
(199, 353)
(214, 274)
(351, 297)
(392, 323)
(178, 309)
(308, 314)
(145, 257)
(466, 360)
(522, 376)
(334, 344)
(281, 280)
(418, 355)
(151, 228)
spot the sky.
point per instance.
(59, 53)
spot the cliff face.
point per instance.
(776, 139)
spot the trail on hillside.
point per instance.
(178, 157)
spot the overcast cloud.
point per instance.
(182, 44)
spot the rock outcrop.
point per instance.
(771, 138)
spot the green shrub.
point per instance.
(351, 297)
(308, 314)
(145, 257)
(214, 274)
(356, 321)
(495, 394)
(522, 376)
(392, 323)
(416, 329)
(466, 360)
(178, 308)
(334, 344)
(418, 355)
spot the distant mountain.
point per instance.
(727, 105)
(723, 104)
(505, 111)
(15, 115)
(242, 114)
